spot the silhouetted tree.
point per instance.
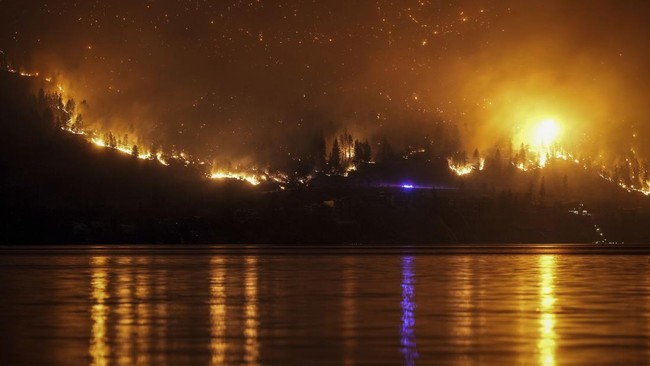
(476, 158)
(335, 158)
(347, 147)
(134, 151)
(54, 100)
(153, 152)
(362, 152)
(70, 106)
(521, 156)
(497, 160)
(77, 126)
(542, 190)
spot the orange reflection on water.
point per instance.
(462, 295)
(124, 332)
(349, 310)
(547, 336)
(160, 313)
(252, 347)
(143, 312)
(218, 312)
(99, 349)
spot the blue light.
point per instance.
(408, 186)
(407, 331)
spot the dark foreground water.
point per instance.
(543, 305)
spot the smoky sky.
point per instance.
(238, 79)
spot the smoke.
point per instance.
(237, 81)
(579, 62)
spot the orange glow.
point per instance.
(546, 133)
(467, 168)
(251, 316)
(218, 312)
(547, 336)
(542, 137)
(99, 349)
(250, 178)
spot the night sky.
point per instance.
(238, 79)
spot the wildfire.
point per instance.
(98, 142)
(126, 150)
(23, 73)
(161, 159)
(546, 133)
(351, 168)
(250, 178)
(464, 169)
(643, 190)
(540, 143)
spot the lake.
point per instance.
(462, 305)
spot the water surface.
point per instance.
(541, 305)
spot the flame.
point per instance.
(546, 133)
(127, 147)
(645, 190)
(542, 139)
(541, 143)
(351, 168)
(467, 168)
(161, 159)
(547, 343)
(250, 178)
(145, 155)
(98, 142)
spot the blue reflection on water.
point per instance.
(407, 331)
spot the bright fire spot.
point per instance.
(464, 169)
(541, 143)
(349, 169)
(250, 178)
(546, 133)
(98, 142)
